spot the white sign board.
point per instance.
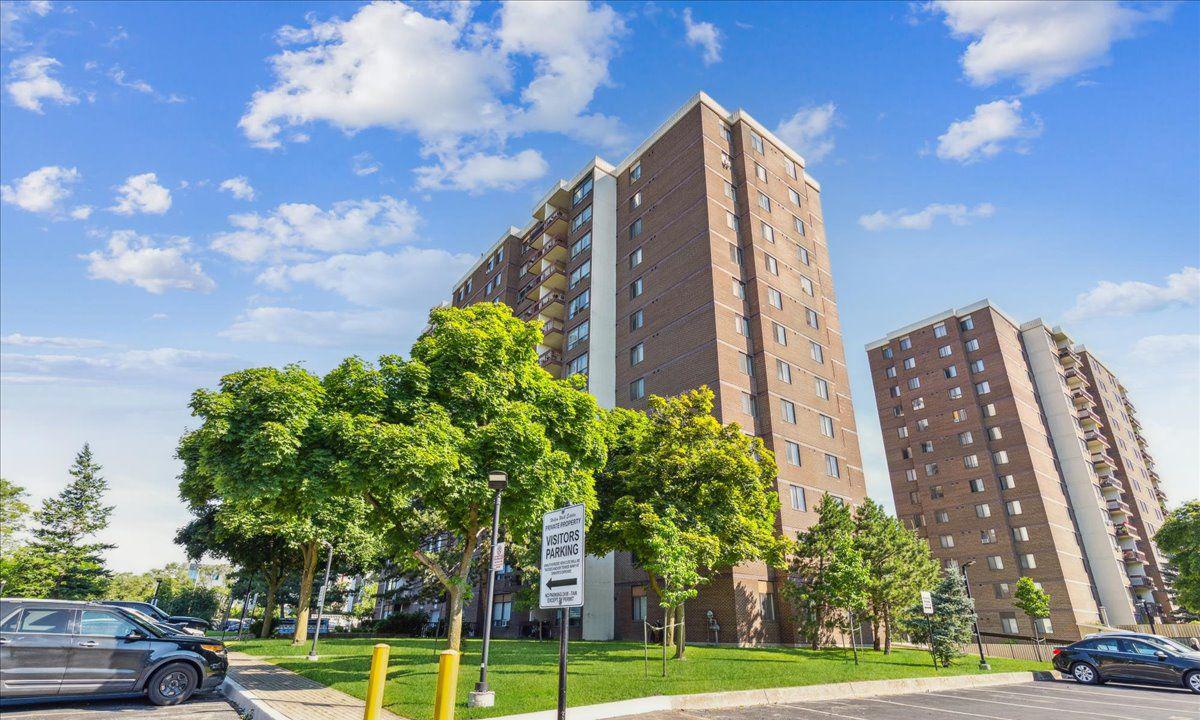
(562, 558)
(926, 602)
(498, 557)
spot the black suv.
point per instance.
(1130, 657)
(190, 625)
(64, 649)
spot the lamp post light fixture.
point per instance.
(481, 696)
(983, 663)
(312, 653)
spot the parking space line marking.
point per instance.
(941, 710)
(1125, 692)
(1089, 713)
(1074, 697)
(822, 712)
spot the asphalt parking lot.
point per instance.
(1058, 700)
(211, 706)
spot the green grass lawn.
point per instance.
(524, 672)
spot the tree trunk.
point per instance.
(818, 628)
(876, 641)
(887, 629)
(274, 579)
(680, 635)
(308, 553)
(668, 612)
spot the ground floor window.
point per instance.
(766, 600)
(502, 610)
(639, 604)
(1008, 621)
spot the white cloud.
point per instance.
(239, 187)
(137, 260)
(118, 76)
(291, 326)
(29, 83)
(480, 171)
(1168, 349)
(1182, 289)
(445, 79)
(125, 365)
(365, 164)
(957, 214)
(292, 230)
(987, 132)
(703, 35)
(142, 193)
(81, 212)
(56, 342)
(13, 14)
(42, 191)
(1039, 43)
(807, 131)
(410, 277)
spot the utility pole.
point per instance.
(983, 663)
(482, 696)
(312, 653)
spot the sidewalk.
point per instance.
(283, 695)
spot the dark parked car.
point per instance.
(64, 649)
(1130, 657)
(287, 626)
(191, 625)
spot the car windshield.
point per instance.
(154, 627)
(1167, 644)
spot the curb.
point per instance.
(248, 702)
(775, 696)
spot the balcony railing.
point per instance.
(1133, 556)
(1126, 530)
(550, 357)
(1102, 459)
(1088, 418)
(547, 247)
(545, 302)
(1141, 581)
(1068, 357)
(1112, 483)
(1118, 507)
(1080, 396)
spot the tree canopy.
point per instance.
(1179, 537)
(830, 577)
(899, 566)
(952, 619)
(65, 535)
(686, 495)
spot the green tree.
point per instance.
(899, 567)
(686, 495)
(829, 575)
(261, 456)
(1179, 537)
(418, 437)
(1032, 600)
(13, 514)
(66, 523)
(24, 572)
(953, 614)
(130, 586)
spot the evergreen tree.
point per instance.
(66, 523)
(829, 576)
(899, 567)
(953, 613)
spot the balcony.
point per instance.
(1133, 557)
(1129, 405)
(1088, 418)
(1075, 377)
(1153, 474)
(1082, 397)
(1095, 439)
(552, 276)
(1137, 426)
(1102, 461)
(552, 250)
(1159, 494)
(556, 223)
(1068, 358)
(552, 333)
(1148, 459)
(1118, 507)
(545, 305)
(1127, 531)
(550, 358)
(1110, 482)
(1141, 582)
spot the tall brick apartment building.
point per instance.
(1010, 446)
(700, 259)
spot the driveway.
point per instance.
(211, 706)
(1058, 700)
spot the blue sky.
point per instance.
(194, 188)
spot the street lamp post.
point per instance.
(312, 653)
(157, 585)
(983, 663)
(482, 696)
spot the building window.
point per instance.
(768, 233)
(579, 274)
(766, 598)
(918, 404)
(987, 537)
(914, 383)
(802, 253)
(1008, 482)
(959, 415)
(741, 326)
(941, 517)
(905, 344)
(757, 142)
(635, 258)
(637, 389)
(977, 366)
(971, 461)
(744, 364)
(936, 492)
(822, 388)
(638, 611)
(966, 323)
(983, 510)
(748, 404)
(926, 446)
(972, 345)
(910, 475)
(995, 433)
(890, 371)
(995, 562)
(983, 388)
(806, 286)
(1020, 534)
(910, 363)
(1028, 562)
(578, 334)
(783, 371)
(635, 172)
(939, 330)
(799, 502)
(760, 172)
(635, 288)
(775, 298)
(794, 197)
(1008, 623)
(832, 467)
(946, 541)
(772, 264)
(816, 352)
(922, 425)
(637, 353)
(799, 225)
(791, 168)
(977, 485)
(950, 372)
(945, 351)
(582, 190)
(502, 610)
(811, 317)
(578, 365)
(636, 320)
(580, 302)
(826, 425)
(788, 408)
(739, 289)
(735, 255)
(792, 451)
(989, 410)
(764, 202)
(780, 333)
(581, 244)
(1014, 507)
(895, 391)
(729, 190)
(635, 228)
(955, 392)
(1000, 457)
(581, 218)
(726, 133)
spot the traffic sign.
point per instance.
(926, 602)
(498, 557)
(563, 551)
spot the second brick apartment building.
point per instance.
(699, 259)
(1010, 446)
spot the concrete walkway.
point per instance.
(289, 696)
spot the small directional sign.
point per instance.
(498, 557)
(562, 558)
(926, 602)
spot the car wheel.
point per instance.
(172, 684)
(1085, 674)
(1192, 681)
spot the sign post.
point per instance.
(561, 585)
(927, 609)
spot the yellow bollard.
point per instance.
(447, 684)
(375, 681)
